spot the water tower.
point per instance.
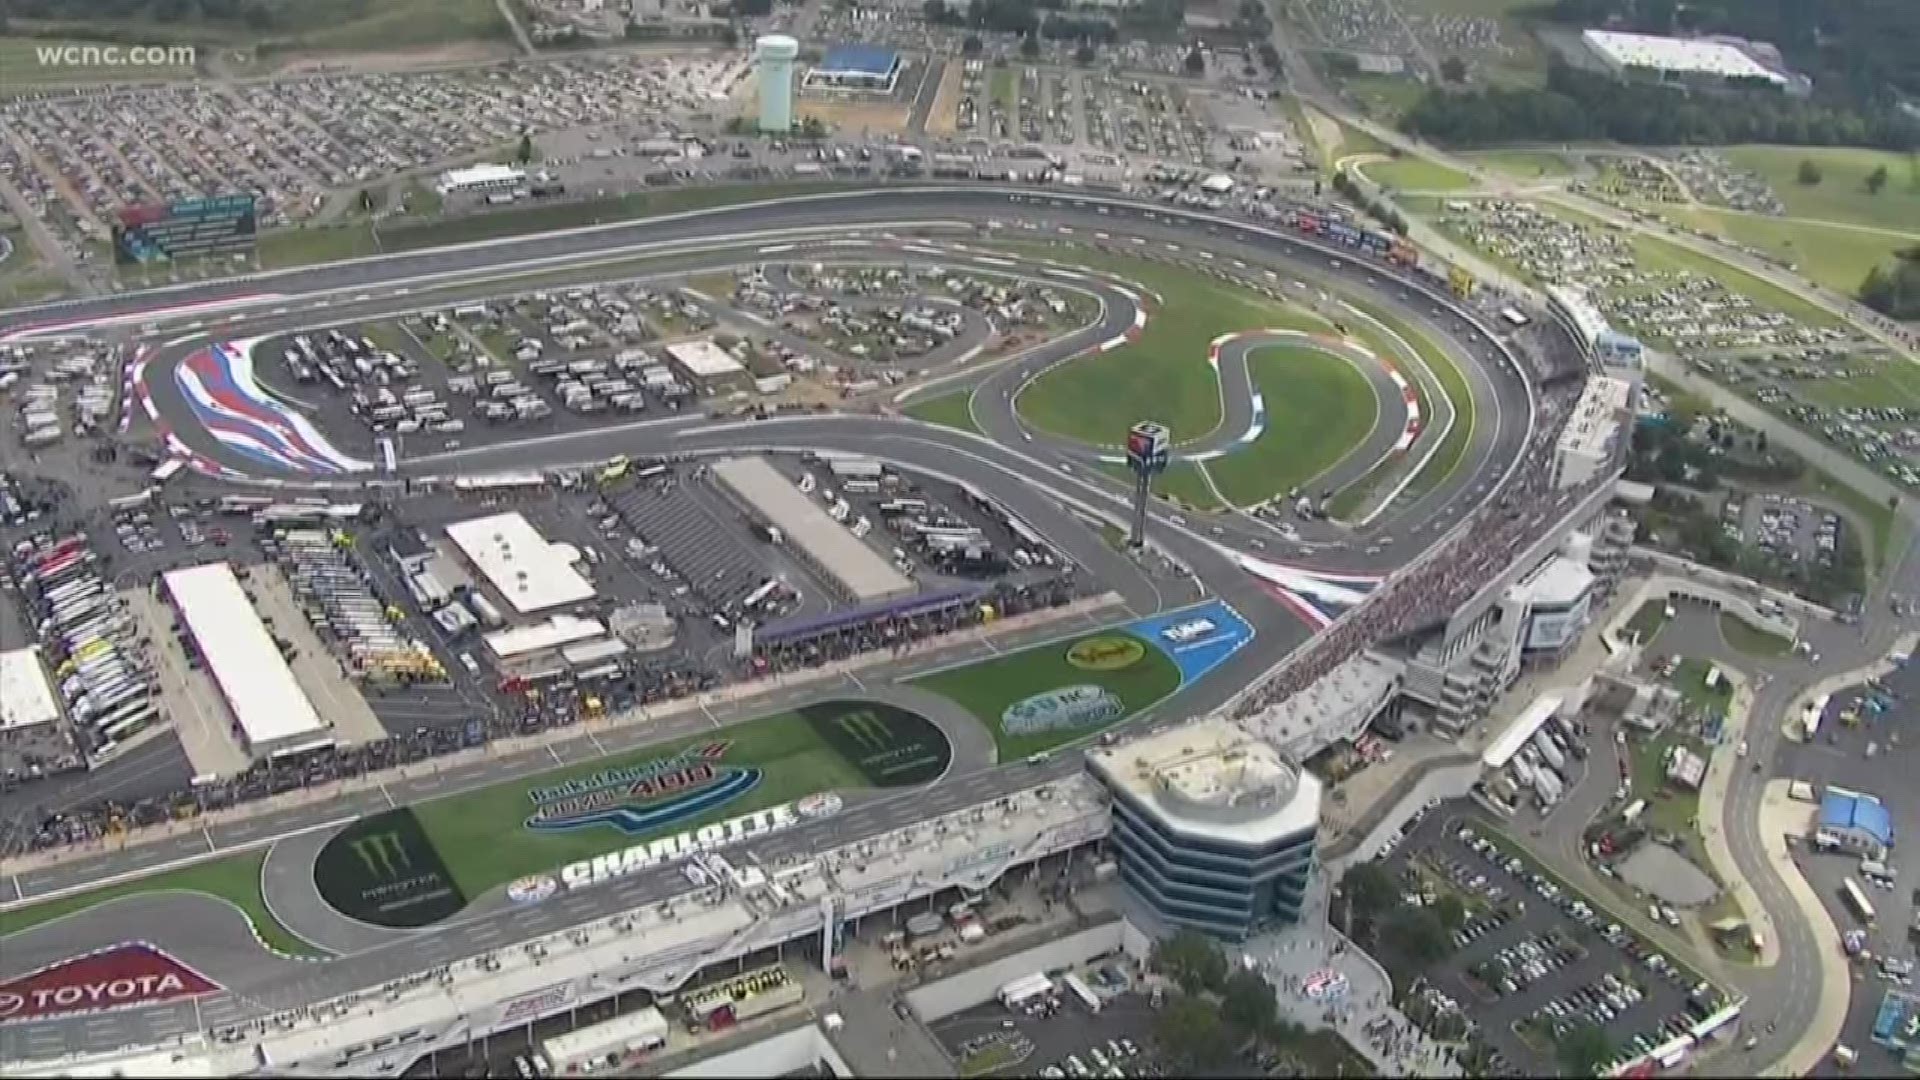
(773, 56)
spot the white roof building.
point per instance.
(555, 632)
(1679, 56)
(704, 361)
(273, 712)
(530, 573)
(481, 178)
(26, 697)
(834, 550)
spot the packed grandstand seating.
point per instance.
(1450, 574)
(886, 628)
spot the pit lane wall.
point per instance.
(660, 946)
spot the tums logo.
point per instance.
(122, 977)
(1181, 633)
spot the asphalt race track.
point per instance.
(1054, 486)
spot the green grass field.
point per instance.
(1524, 164)
(1841, 194)
(1873, 382)
(234, 879)
(947, 410)
(1416, 174)
(1319, 408)
(1385, 98)
(484, 842)
(1742, 638)
(990, 689)
(1355, 141)
(1164, 376)
(1648, 621)
(1183, 482)
(1836, 257)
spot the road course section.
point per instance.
(994, 463)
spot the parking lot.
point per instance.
(1057, 1039)
(1789, 529)
(304, 145)
(1533, 961)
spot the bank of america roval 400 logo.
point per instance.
(1067, 707)
(645, 797)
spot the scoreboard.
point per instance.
(1148, 448)
(164, 232)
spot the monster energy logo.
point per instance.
(867, 730)
(384, 854)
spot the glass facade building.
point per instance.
(1211, 829)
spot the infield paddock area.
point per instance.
(418, 865)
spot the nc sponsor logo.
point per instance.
(1067, 707)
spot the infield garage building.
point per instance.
(1212, 829)
(871, 68)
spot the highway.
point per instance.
(1046, 483)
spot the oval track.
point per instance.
(1048, 484)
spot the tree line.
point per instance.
(1894, 290)
(1579, 106)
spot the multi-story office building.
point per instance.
(1212, 829)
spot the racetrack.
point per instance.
(1052, 485)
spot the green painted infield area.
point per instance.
(947, 410)
(1163, 376)
(1319, 408)
(234, 879)
(418, 865)
(1128, 668)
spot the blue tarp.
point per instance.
(1844, 810)
(873, 61)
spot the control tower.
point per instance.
(773, 57)
(1148, 448)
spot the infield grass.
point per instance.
(988, 689)
(947, 410)
(1164, 375)
(483, 839)
(234, 879)
(1319, 408)
(1742, 638)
